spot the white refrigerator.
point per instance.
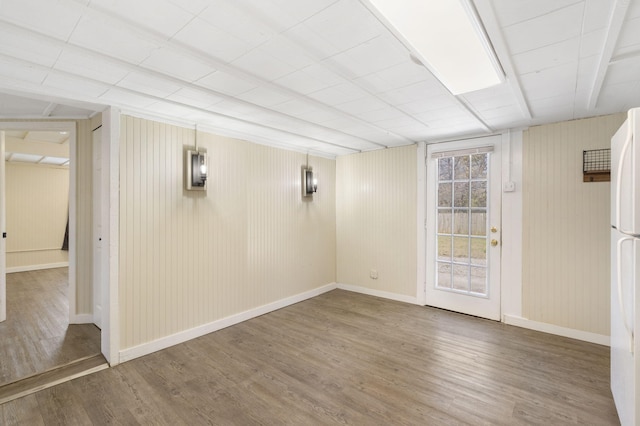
(625, 269)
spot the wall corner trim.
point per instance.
(378, 293)
(192, 333)
(557, 330)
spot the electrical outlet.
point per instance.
(373, 274)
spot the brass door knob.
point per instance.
(494, 243)
(494, 229)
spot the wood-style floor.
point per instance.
(344, 358)
(36, 336)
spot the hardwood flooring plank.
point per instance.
(346, 358)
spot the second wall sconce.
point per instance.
(196, 170)
(309, 182)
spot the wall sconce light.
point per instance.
(197, 164)
(309, 182)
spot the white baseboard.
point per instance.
(81, 319)
(557, 330)
(27, 268)
(183, 336)
(378, 293)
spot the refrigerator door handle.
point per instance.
(619, 285)
(623, 153)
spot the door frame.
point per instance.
(511, 222)
(59, 126)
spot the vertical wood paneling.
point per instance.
(37, 205)
(566, 226)
(376, 219)
(188, 258)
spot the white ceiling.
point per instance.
(37, 147)
(320, 76)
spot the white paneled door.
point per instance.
(3, 238)
(99, 267)
(463, 226)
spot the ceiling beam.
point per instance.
(496, 37)
(616, 20)
(49, 109)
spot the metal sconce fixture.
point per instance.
(196, 170)
(309, 183)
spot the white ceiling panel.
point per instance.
(54, 161)
(160, 16)
(223, 82)
(321, 76)
(557, 26)
(209, 40)
(25, 158)
(119, 41)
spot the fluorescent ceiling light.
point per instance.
(447, 37)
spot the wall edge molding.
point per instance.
(572, 333)
(28, 268)
(378, 293)
(183, 336)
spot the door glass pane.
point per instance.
(478, 194)
(461, 194)
(479, 280)
(445, 171)
(461, 167)
(460, 277)
(444, 194)
(444, 275)
(479, 163)
(462, 224)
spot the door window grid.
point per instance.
(462, 224)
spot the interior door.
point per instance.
(3, 240)
(463, 226)
(98, 237)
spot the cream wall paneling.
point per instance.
(376, 204)
(189, 260)
(566, 227)
(37, 210)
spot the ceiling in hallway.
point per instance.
(319, 76)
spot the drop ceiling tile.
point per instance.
(124, 98)
(117, 41)
(198, 98)
(148, 84)
(633, 11)
(403, 74)
(560, 80)
(74, 85)
(311, 42)
(22, 71)
(69, 111)
(211, 41)
(339, 94)
(191, 6)
(510, 12)
(178, 65)
(437, 115)
(560, 25)
(264, 96)
(547, 57)
(224, 82)
(385, 113)
(592, 43)
(629, 38)
(240, 21)
(166, 18)
(345, 24)
(56, 19)
(29, 48)
(324, 75)
(93, 66)
(369, 57)
(587, 69)
(366, 104)
(301, 82)
(555, 108)
(428, 104)
(619, 97)
(262, 65)
(414, 92)
(287, 51)
(623, 72)
(168, 109)
(596, 15)
(288, 13)
(306, 111)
